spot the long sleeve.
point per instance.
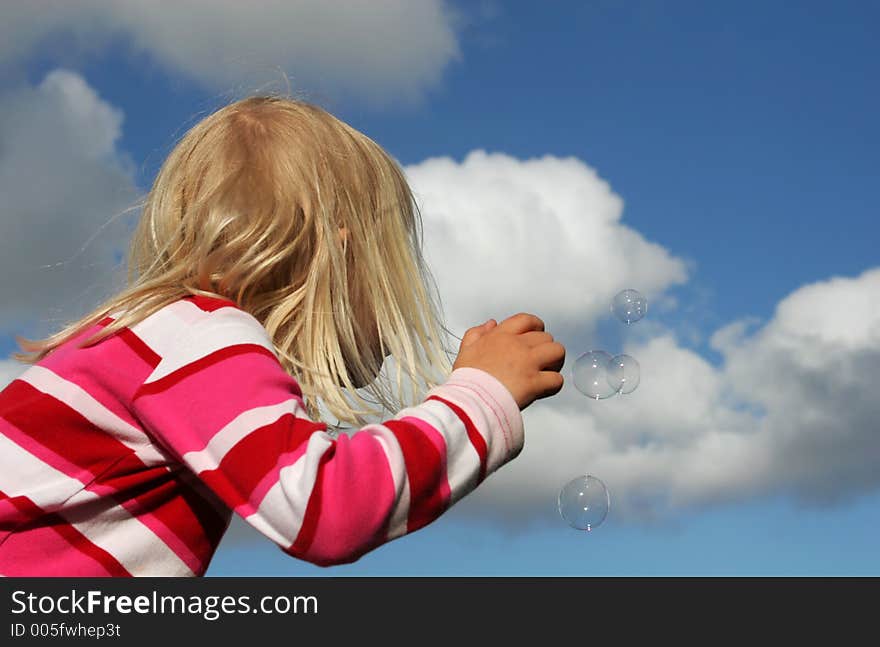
(221, 403)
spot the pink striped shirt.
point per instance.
(129, 457)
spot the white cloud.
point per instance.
(791, 410)
(812, 370)
(542, 235)
(383, 50)
(62, 179)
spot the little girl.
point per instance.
(276, 241)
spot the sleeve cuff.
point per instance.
(504, 409)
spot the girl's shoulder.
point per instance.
(196, 326)
(197, 315)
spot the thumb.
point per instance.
(473, 334)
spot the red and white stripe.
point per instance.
(78, 399)
(182, 333)
(106, 525)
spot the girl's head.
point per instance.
(308, 225)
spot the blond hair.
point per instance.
(249, 206)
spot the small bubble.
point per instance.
(624, 374)
(629, 306)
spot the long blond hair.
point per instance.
(249, 206)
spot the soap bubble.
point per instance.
(629, 306)
(624, 374)
(583, 502)
(590, 375)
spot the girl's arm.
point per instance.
(227, 409)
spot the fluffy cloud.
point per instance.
(382, 50)
(789, 410)
(62, 180)
(542, 235)
(811, 372)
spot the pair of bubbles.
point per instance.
(598, 375)
(584, 501)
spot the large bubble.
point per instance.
(590, 375)
(583, 502)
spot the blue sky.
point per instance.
(742, 138)
(732, 130)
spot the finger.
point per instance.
(470, 336)
(550, 356)
(549, 383)
(536, 337)
(473, 334)
(520, 323)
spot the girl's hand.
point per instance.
(518, 353)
